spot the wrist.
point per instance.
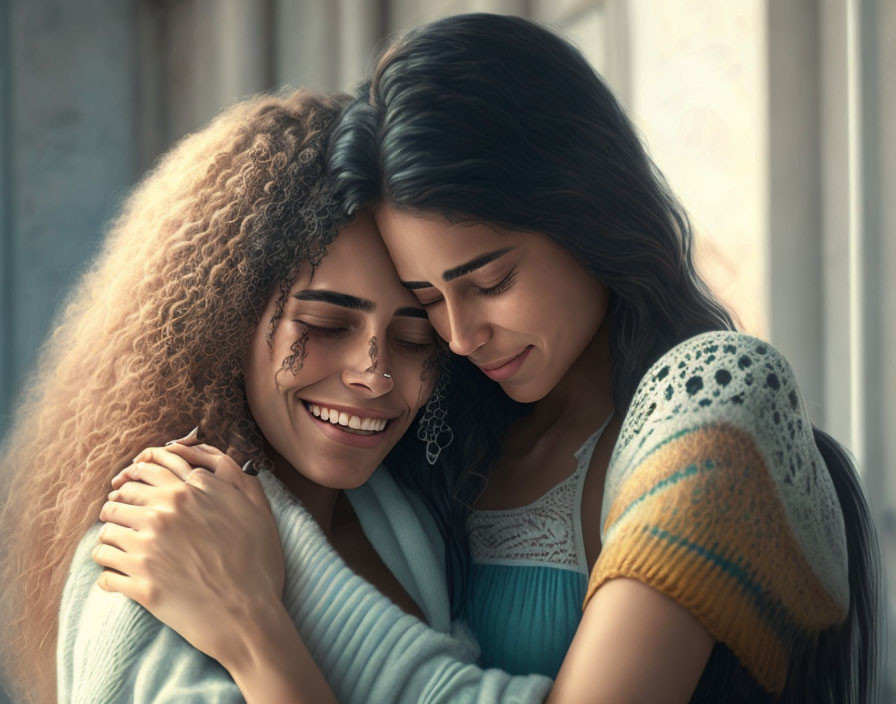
(260, 631)
(271, 662)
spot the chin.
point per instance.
(340, 476)
(348, 479)
(525, 393)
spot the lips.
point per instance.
(370, 433)
(504, 369)
(354, 420)
(363, 423)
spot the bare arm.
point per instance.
(634, 645)
(274, 665)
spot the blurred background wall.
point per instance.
(773, 120)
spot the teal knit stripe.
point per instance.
(666, 483)
(770, 609)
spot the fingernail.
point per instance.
(189, 437)
(250, 469)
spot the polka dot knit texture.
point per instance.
(717, 496)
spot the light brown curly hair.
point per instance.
(152, 341)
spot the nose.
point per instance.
(467, 330)
(370, 384)
(368, 371)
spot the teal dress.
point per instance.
(529, 576)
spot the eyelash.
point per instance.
(335, 333)
(319, 331)
(415, 347)
(500, 287)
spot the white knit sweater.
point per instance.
(112, 650)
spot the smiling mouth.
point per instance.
(355, 425)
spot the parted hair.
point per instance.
(152, 340)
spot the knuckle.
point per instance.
(149, 594)
(181, 497)
(199, 477)
(156, 520)
(127, 488)
(142, 561)
(108, 511)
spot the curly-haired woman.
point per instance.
(223, 298)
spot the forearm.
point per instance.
(272, 664)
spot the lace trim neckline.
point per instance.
(583, 457)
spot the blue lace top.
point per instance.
(529, 576)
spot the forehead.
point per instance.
(357, 263)
(429, 240)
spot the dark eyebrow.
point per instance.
(474, 264)
(461, 270)
(337, 299)
(411, 312)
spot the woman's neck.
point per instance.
(319, 501)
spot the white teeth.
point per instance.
(339, 418)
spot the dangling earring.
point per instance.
(433, 429)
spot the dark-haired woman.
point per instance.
(521, 208)
(625, 430)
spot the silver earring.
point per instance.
(433, 430)
(387, 375)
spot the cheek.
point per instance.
(583, 311)
(565, 313)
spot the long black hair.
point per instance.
(490, 118)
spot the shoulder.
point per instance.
(111, 649)
(727, 382)
(716, 490)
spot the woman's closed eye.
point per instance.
(334, 332)
(323, 331)
(414, 347)
(499, 287)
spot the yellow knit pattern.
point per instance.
(699, 520)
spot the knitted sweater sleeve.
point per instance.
(112, 650)
(717, 496)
